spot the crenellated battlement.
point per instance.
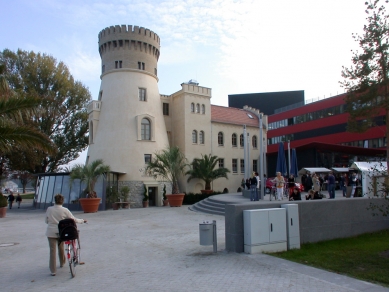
(129, 37)
(129, 31)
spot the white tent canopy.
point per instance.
(368, 170)
(340, 169)
(306, 170)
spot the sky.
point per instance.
(231, 46)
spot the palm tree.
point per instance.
(14, 112)
(168, 164)
(204, 169)
(89, 173)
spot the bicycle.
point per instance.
(69, 234)
(73, 254)
(273, 193)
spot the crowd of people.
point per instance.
(313, 184)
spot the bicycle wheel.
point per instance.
(272, 193)
(73, 259)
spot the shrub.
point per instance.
(3, 201)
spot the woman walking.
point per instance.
(54, 214)
(280, 182)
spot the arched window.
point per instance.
(192, 107)
(145, 129)
(194, 136)
(197, 108)
(241, 140)
(201, 137)
(234, 140)
(220, 139)
(255, 142)
(203, 109)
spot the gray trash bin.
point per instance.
(206, 233)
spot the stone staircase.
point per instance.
(210, 206)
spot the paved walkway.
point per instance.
(150, 249)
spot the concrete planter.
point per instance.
(3, 212)
(90, 205)
(175, 200)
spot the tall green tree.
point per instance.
(16, 130)
(63, 101)
(366, 81)
(204, 168)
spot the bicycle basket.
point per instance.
(67, 230)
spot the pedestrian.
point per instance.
(253, 187)
(316, 182)
(258, 186)
(280, 183)
(312, 195)
(11, 199)
(296, 195)
(19, 200)
(308, 182)
(343, 184)
(331, 185)
(353, 183)
(54, 214)
(291, 184)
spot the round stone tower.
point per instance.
(126, 122)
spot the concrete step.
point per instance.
(209, 206)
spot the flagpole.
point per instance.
(290, 168)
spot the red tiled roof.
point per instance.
(232, 115)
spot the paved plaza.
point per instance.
(149, 249)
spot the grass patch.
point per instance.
(28, 195)
(365, 257)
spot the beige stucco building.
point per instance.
(131, 120)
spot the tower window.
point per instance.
(255, 145)
(234, 165)
(255, 165)
(197, 108)
(147, 158)
(192, 107)
(194, 137)
(142, 94)
(203, 109)
(201, 137)
(103, 69)
(155, 71)
(220, 139)
(145, 129)
(141, 65)
(242, 165)
(165, 109)
(118, 64)
(234, 141)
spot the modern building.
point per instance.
(318, 133)
(131, 120)
(268, 102)
(317, 130)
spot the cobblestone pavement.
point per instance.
(149, 249)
